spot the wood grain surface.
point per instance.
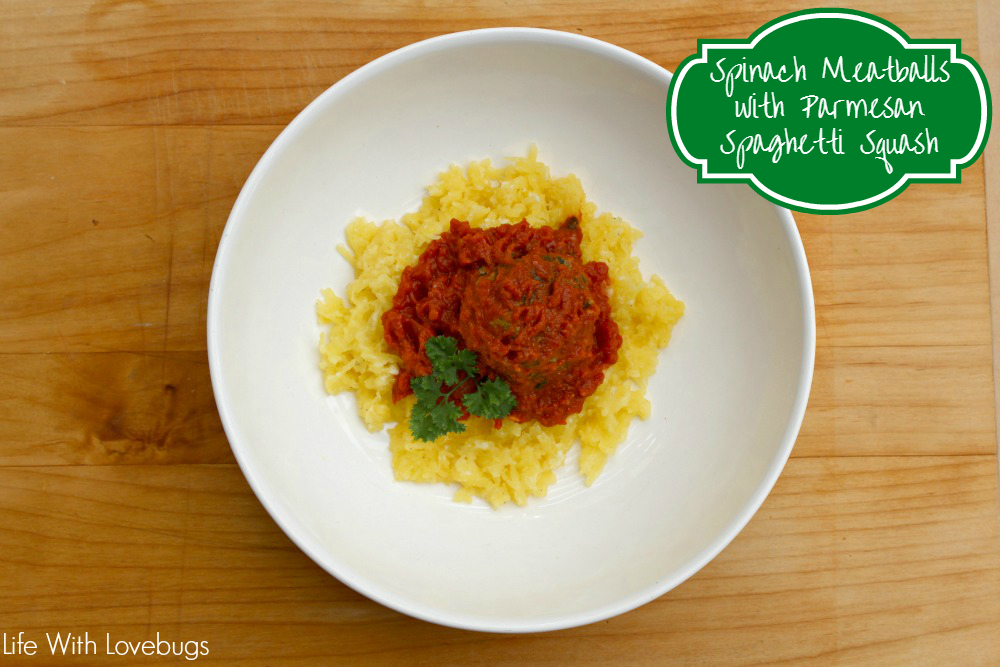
(128, 128)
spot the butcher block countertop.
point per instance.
(127, 128)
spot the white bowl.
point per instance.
(728, 396)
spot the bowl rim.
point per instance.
(328, 561)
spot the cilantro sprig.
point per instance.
(434, 414)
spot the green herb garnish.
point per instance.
(447, 360)
(492, 400)
(435, 414)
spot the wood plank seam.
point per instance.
(988, 24)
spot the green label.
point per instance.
(829, 111)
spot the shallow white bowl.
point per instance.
(728, 396)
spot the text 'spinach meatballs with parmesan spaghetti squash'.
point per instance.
(499, 325)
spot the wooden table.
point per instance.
(127, 129)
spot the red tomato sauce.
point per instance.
(523, 300)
